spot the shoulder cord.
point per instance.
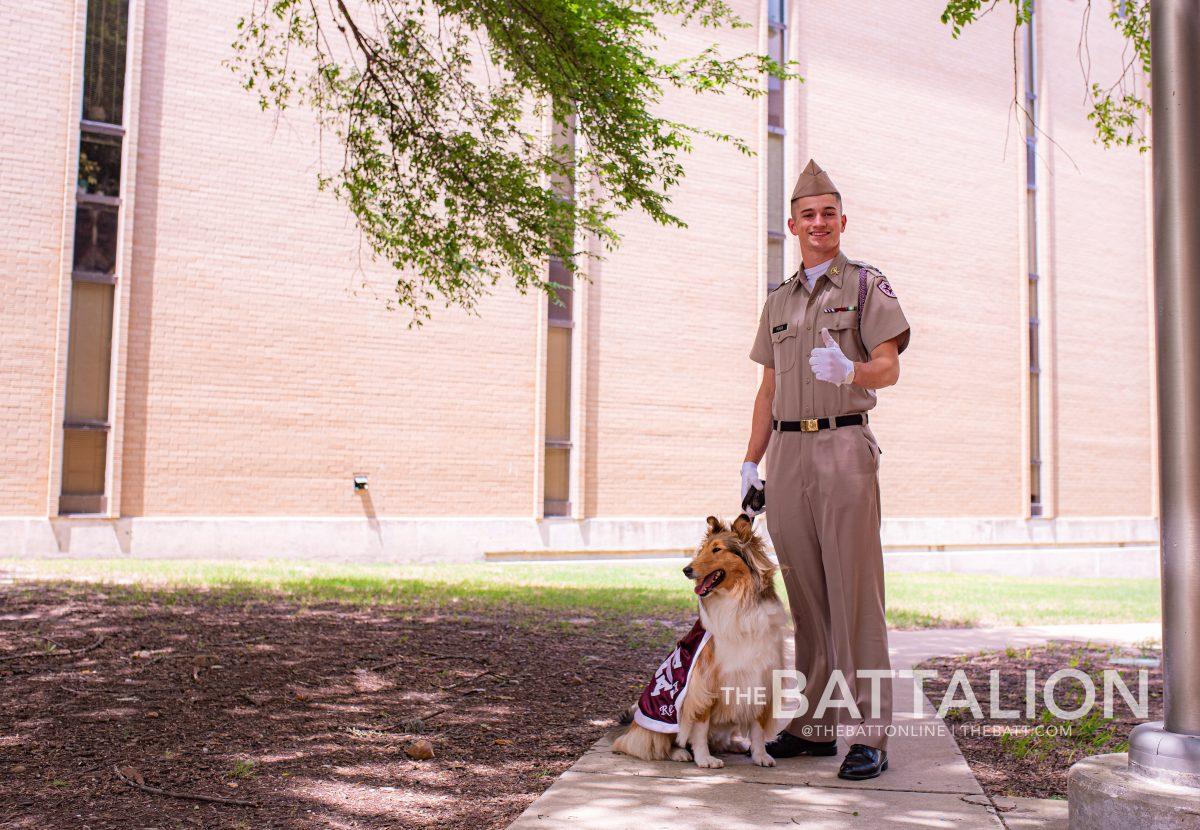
(862, 299)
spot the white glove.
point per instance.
(750, 479)
(829, 364)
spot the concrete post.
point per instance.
(1159, 787)
(1164, 749)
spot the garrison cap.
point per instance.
(813, 182)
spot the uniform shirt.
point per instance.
(790, 327)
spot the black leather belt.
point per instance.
(814, 424)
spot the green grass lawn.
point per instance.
(634, 589)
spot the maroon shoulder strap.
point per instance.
(862, 293)
(862, 299)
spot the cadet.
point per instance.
(828, 337)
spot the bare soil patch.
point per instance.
(1031, 756)
(308, 712)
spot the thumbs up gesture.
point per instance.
(829, 364)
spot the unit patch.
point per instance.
(886, 288)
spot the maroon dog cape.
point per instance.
(658, 707)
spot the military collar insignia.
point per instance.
(837, 269)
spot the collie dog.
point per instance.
(734, 648)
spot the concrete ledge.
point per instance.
(1105, 795)
(1113, 561)
(1115, 546)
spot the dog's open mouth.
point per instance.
(705, 586)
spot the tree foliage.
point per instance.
(1117, 110)
(441, 110)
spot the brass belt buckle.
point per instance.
(808, 425)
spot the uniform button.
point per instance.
(806, 380)
(810, 328)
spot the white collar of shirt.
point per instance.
(812, 274)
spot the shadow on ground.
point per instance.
(305, 710)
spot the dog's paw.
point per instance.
(710, 763)
(681, 754)
(763, 760)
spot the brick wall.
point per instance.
(912, 126)
(263, 369)
(1100, 284)
(37, 79)
(671, 317)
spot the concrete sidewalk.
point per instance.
(928, 783)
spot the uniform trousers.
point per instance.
(823, 516)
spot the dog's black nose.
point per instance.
(688, 572)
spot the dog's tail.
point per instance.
(642, 743)
(626, 716)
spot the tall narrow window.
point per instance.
(560, 329)
(777, 207)
(1032, 282)
(94, 263)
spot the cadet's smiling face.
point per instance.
(819, 222)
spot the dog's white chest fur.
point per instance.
(746, 641)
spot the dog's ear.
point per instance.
(714, 525)
(743, 526)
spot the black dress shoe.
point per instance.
(863, 762)
(787, 745)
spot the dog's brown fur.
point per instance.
(748, 625)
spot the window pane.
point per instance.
(558, 467)
(558, 338)
(83, 462)
(563, 177)
(775, 48)
(88, 352)
(104, 60)
(1033, 346)
(775, 44)
(774, 263)
(96, 238)
(776, 205)
(775, 103)
(560, 276)
(777, 12)
(558, 384)
(100, 164)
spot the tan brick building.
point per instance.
(198, 360)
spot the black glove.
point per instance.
(755, 500)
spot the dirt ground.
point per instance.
(1030, 757)
(306, 712)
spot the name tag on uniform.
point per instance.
(779, 328)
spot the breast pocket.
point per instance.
(843, 325)
(785, 345)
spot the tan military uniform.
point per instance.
(823, 509)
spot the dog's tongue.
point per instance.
(707, 583)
